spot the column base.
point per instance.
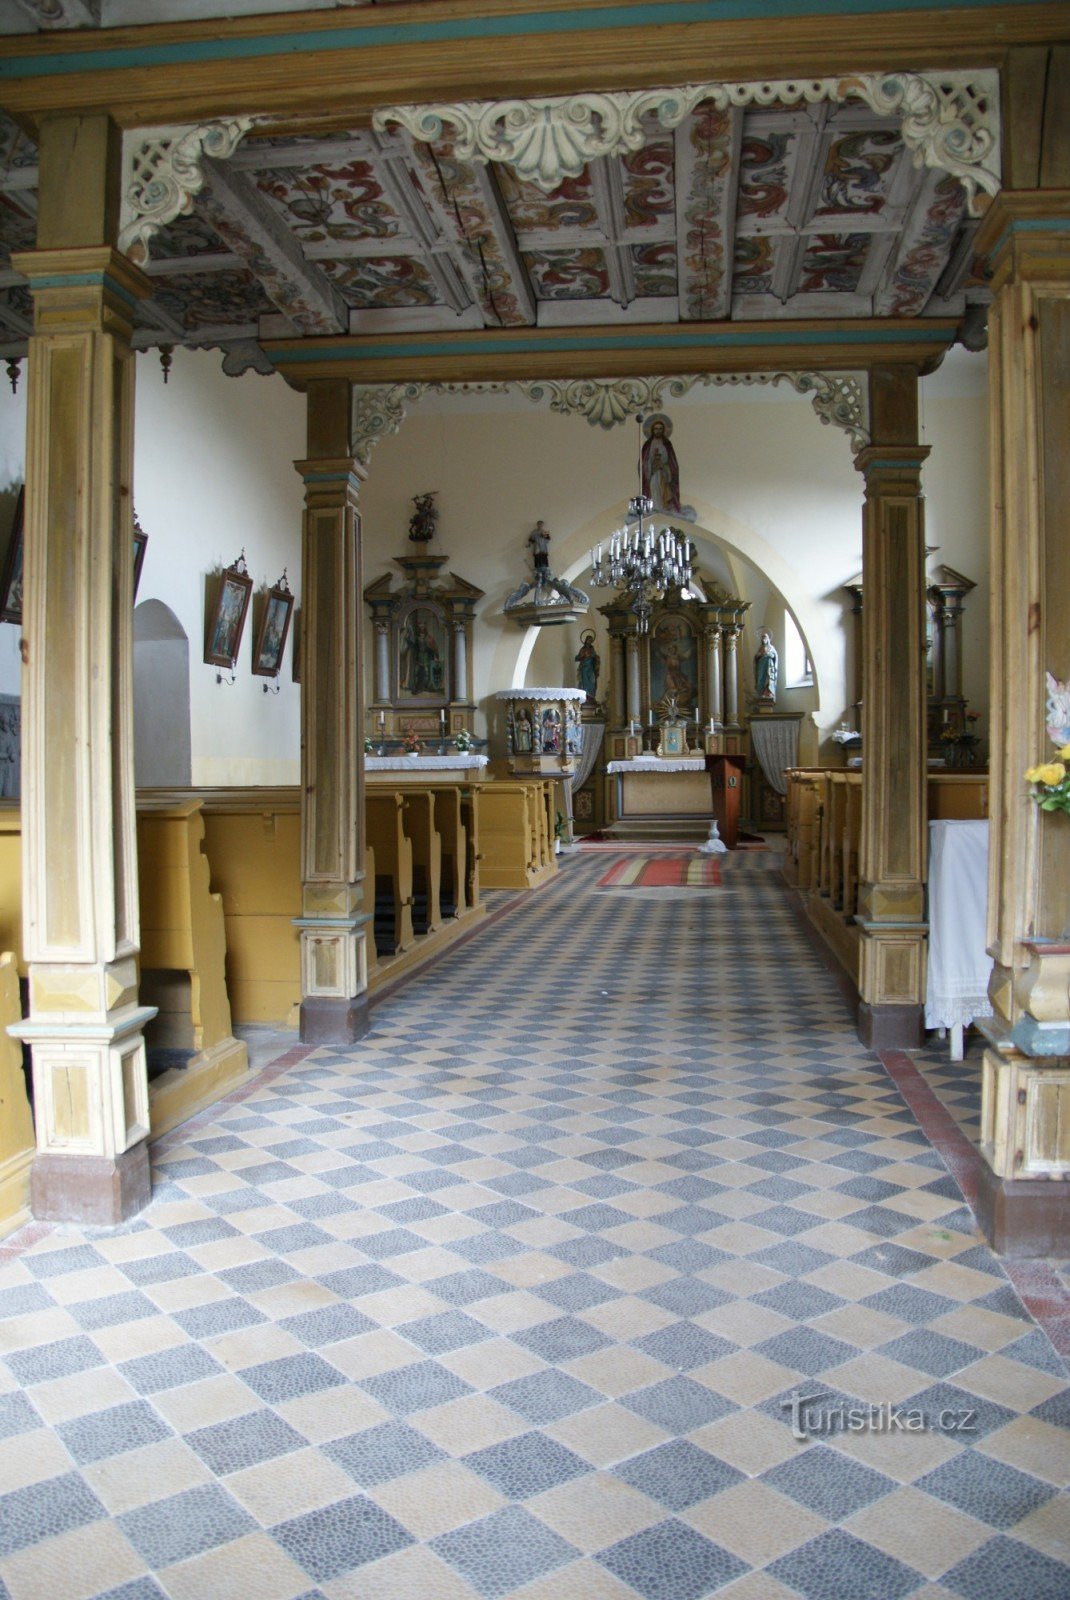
(891, 1027)
(328, 1021)
(1024, 1217)
(98, 1191)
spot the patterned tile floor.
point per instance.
(608, 1265)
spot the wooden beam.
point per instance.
(581, 352)
(331, 66)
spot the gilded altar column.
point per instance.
(79, 848)
(635, 705)
(616, 678)
(892, 855)
(334, 1007)
(1025, 237)
(460, 659)
(714, 674)
(382, 661)
(731, 677)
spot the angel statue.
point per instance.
(1058, 708)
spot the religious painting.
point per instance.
(271, 634)
(141, 539)
(422, 655)
(10, 746)
(11, 577)
(673, 667)
(226, 617)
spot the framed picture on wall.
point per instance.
(226, 617)
(11, 577)
(274, 626)
(141, 539)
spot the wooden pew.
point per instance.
(454, 846)
(516, 833)
(183, 945)
(393, 870)
(16, 1122)
(421, 829)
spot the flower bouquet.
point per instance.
(463, 741)
(1051, 782)
(411, 741)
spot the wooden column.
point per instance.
(891, 897)
(1026, 1095)
(80, 906)
(334, 1007)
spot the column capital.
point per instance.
(81, 278)
(892, 466)
(1025, 234)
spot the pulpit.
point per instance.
(726, 782)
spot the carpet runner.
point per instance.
(685, 871)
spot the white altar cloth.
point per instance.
(956, 990)
(466, 763)
(656, 764)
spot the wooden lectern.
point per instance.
(726, 781)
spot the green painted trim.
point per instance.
(330, 477)
(84, 280)
(738, 338)
(637, 14)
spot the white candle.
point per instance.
(696, 713)
(382, 719)
(650, 718)
(442, 720)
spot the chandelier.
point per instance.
(643, 560)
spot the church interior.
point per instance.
(534, 772)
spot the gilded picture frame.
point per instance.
(226, 616)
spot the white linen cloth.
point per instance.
(956, 990)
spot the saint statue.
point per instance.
(661, 471)
(588, 662)
(423, 520)
(539, 540)
(766, 663)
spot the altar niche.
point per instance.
(423, 650)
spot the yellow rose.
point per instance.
(1050, 774)
(1064, 753)
(1032, 774)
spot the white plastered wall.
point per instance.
(777, 498)
(778, 504)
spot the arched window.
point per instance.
(798, 668)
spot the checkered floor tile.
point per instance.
(608, 1265)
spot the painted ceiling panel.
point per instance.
(184, 238)
(654, 266)
(568, 274)
(383, 281)
(572, 204)
(322, 203)
(754, 264)
(858, 172)
(767, 167)
(649, 184)
(199, 300)
(834, 261)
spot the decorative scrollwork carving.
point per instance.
(950, 120)
(162, 172)
(838, 399)
(379, 411)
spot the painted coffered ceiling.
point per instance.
(30, 16)
(767, 209)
